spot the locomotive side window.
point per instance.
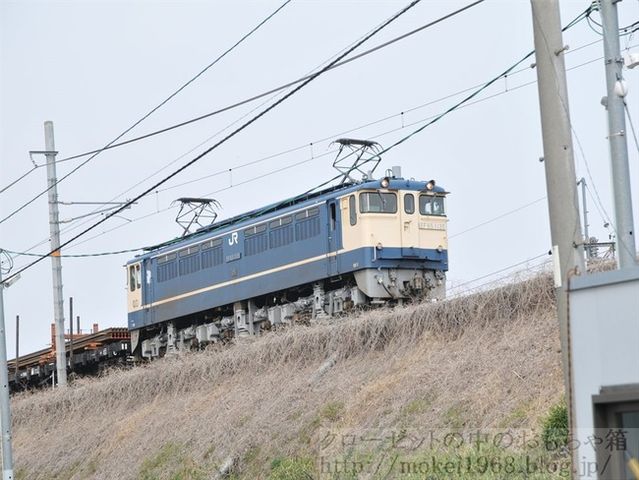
(211, 253)
(255, 240)
(132, 278)
(281, 232)
(212, 244)
(257, 229)
(352, 212)
(189, 260)
(167, 267)
(307, 224)
(429, 205)
(409, 203)
(281, 222)
(138, 276)
(377, 202)
(333, 216)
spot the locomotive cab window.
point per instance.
(409, 203)
(377, 202)
(431, 205)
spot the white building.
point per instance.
(604, 346)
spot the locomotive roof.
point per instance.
(395, 183)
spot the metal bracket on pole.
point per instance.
(40, 152)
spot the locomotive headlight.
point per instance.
(440, 249)
(430, 185)
(379, 246)
(385, 182)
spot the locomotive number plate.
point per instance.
(432, 226)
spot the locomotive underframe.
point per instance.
(305, 303)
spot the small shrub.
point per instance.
(292, 469)
(555, 427)
(332, 411)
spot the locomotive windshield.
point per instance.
(430, 205)
(377, 202)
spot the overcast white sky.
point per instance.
(94, 67)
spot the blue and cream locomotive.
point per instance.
(313, 256)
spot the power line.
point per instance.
(273, 90)
(346, 131)
(226, 138)
(272, 156)
(389, 117)
(632, 126)
(70, 228)
(501, 270)
(95, 153)
(78, 255)
(505, 73)
(24, 175)
(510, 212)
(509, 90)
(376, 136)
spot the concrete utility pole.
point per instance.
(617, 136)
(56, 262)
(563, 203)
(5, 405)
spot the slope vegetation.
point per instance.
(261, 406)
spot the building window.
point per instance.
(616, 415)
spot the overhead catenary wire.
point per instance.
(76, 255)
(632, 126)
(306, 145)
(216, 134)
(477, 91)
(73, 227)
(276, 89)
(499, 217)
(20, 178)
(97, 152)
(385, 118)
(510, 90)
(223, 140)
(501, 270)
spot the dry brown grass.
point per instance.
(488, 359)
